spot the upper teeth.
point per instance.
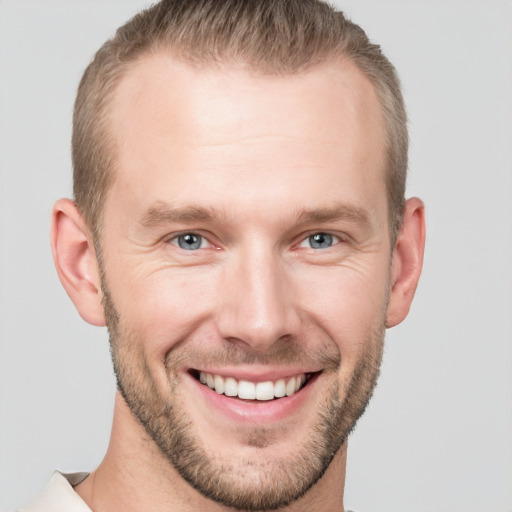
(253, 390)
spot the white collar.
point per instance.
(59, 495)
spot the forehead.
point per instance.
(182, 125)
(165, 92)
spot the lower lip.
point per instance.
(255, 411)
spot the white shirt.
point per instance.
(59, 495)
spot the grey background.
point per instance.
(438, 434)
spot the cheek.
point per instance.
(163, 309)
(349, 305)
(168, 306)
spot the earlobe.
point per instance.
(75, 261)
(407, 262)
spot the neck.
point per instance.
(135, 477)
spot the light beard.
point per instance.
(261, 483)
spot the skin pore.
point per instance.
(245, 236)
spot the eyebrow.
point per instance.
(162, 213)
(339, 211)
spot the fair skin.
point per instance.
(253, 167)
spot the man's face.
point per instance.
(246, 248)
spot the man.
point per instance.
(239, 224)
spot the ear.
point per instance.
(407, 262)
(75, 261)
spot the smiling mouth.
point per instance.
(258, 391)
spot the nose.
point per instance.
(258, 304)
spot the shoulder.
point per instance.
(58, 495)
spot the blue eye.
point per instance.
(319, 241)
(189, 241)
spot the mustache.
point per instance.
(325, 356)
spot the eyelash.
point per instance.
(334, 239)
(205, 243)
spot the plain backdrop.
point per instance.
(438, 434)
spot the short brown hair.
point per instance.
(269, 36)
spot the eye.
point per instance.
(190, 241)
(319, 241)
